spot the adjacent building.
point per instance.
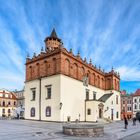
(20, 102)
(136, 102)
(8, 103)
(126, 105)
(63, 87)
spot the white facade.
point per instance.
(136, 104)
(67, 100)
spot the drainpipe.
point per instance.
(40, 99)
(85, 111)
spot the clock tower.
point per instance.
(52, 42)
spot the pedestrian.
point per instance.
(139, 119)
(134, 121)
(125, 123)
(17, 116)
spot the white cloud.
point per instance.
(11, 81)
(24, 27)
(129, 73)
(11, 48)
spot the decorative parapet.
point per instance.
(46, 53)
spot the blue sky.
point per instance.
(107, 31)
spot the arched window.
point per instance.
(93, 77)
(101, 83)
(32, 112)
(9, 111)
(89, 77)
(115, 84)
(98, 81)
(14, 103)
(54, 65)
(82, 72)
(38, 69)
(31, 72)
(3, 111)
(75, 70)
(89, 111)
(3, 104)
(67, 67)
(48, 111)
(118, 84)
(46, 67)
(9, 103)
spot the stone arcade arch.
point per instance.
(54, 65)
(67, 67)
(75, 70)
(38, 69)
(46, 67)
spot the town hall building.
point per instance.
(62, 87)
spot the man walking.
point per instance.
(125, 122)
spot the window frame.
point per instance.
(88, 111)
(48, 111)
(48, 91)
(87, 94)
(32, 112)
(117, 99)
(9, 111)
(3, 111)
(33, 90)
(135, 106)
(94, 95)
(3, 104)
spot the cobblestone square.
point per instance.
(36, 130)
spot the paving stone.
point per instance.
(39, 130)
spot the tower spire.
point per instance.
(52, 42)
(53, 34)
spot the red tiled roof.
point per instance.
(137, 93)
(13, 95)
(123, 92)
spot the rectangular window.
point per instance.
(87, 94)
(127, 108)
(123, 101)
(3, 110)
(135, 106)
(94, 95)
(48, 92)
(116, 99)
(135, 100)
(33, 94)
(88, 111)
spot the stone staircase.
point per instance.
(104, 121)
